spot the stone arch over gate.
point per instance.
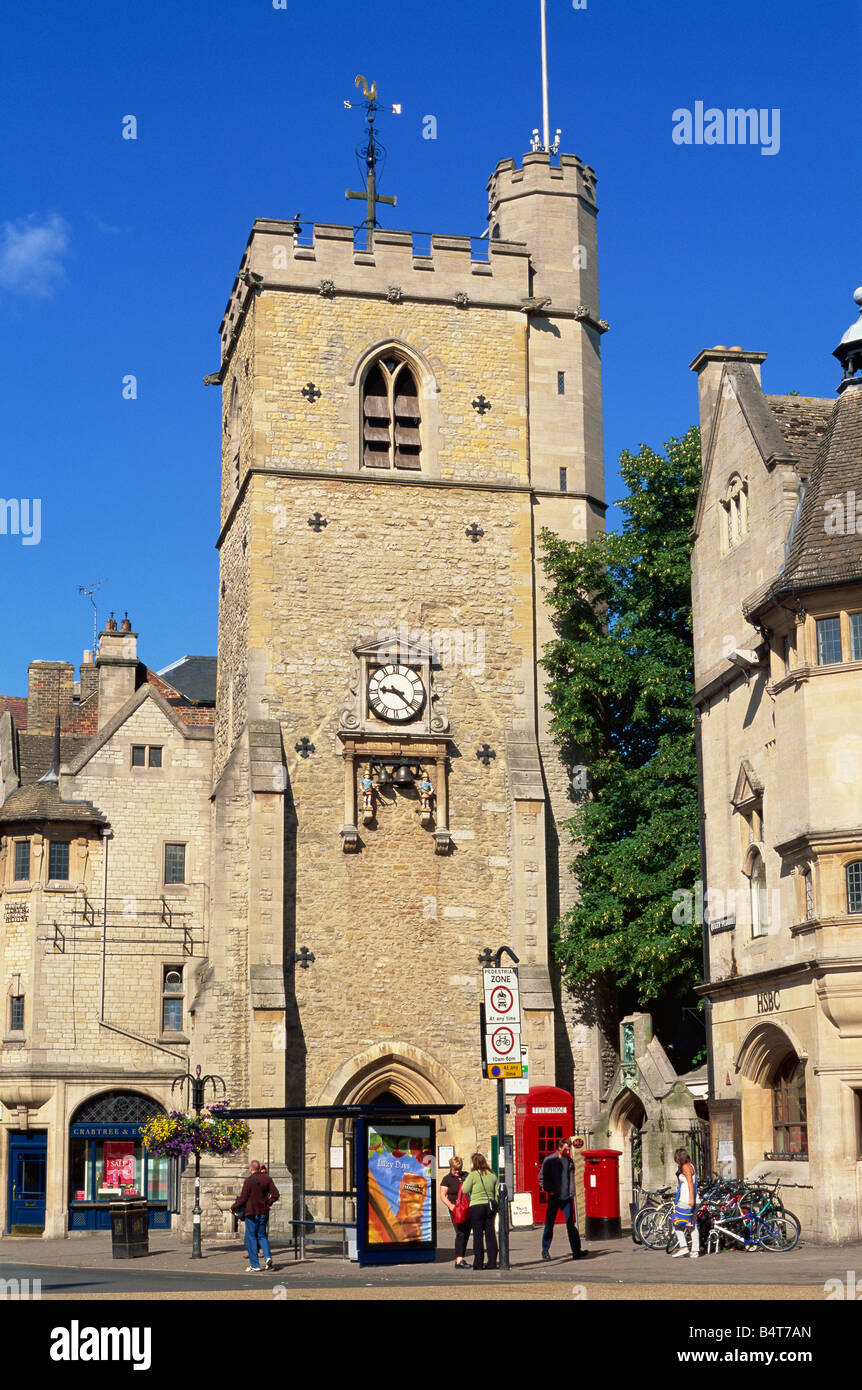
(394, 1068)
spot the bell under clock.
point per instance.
(396, 693)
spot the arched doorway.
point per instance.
(392, 1073)
(628, 1121)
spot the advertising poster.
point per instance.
(400, 1187)
(119, 1164)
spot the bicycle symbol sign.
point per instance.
(502, 1041)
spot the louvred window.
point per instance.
(391, 416)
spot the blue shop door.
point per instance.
(28, 1162)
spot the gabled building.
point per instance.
(104, 921)
(777, 597)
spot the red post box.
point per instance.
(602, 1193)
(542, 1118)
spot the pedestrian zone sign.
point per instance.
(502, 998)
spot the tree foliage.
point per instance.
(620, 678)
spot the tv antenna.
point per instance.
(88, 590)
(546, 120)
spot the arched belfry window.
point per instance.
(391, 418)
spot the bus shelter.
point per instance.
(361, 1178)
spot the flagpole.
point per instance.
(546, 125)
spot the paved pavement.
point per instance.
(83, 1267)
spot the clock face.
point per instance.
(395, 693)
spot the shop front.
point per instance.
(107, 1159)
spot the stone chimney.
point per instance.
(116, 667)
(50, 689)
(709, 365)
(89, 676)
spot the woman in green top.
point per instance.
(480, 1186)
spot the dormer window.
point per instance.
(734, 512)
(391, 417)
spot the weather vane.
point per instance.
(372, 157)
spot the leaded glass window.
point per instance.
(22, 861)
(58, 859)
(828, 641)
(175, 863)
(854, 886)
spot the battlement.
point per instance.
(401, 266)
(570, 178)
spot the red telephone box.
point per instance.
(543, 1117)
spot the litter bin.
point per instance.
(130, 1235)
(602, 1193)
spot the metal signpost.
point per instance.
(501, 1058)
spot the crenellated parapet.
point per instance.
(402, 266)
(569, 178)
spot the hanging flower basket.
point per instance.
(179, 1136)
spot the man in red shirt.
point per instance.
(259, 1192)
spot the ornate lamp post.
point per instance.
(195, 1086)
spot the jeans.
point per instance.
(256, 1236)
(566, 1206)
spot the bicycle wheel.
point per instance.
(656, 1226)
(780, 1232)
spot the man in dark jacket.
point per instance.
(557, 1179)
(258, 1194)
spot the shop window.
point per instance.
(172, 1000)
(789, 1110)
(22, 861)
(58, 860)
(853, 875)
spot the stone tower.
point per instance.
(397, 427)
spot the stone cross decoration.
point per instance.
(485, 753)
(311, 392)
(474, 532)
(481, 404)
(304, 747)
(317, 522)
(304, 957)
(371, 153)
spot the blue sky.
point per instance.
(117, 256)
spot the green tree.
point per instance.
(620, 688)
